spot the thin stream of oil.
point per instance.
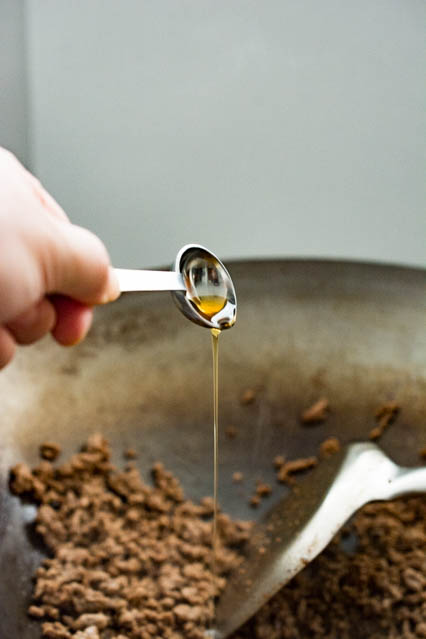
(209, 304)
(215, 348)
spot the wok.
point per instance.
(351, 332)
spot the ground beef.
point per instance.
(316, 413)
(126, 559)
(263, 489)
(376, 590)
(49, 451)
(278, 461)
(286, 472)
(130, 453)
(329, 447)
(254, 501)
(384, 416)
(131, 561)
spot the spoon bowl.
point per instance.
(200, 284)
(209, 297)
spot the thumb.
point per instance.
(77, 265)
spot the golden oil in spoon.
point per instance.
(206, 286)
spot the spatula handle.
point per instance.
(406, 481)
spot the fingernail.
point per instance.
(75, 343)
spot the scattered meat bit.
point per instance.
(237, 477)
(329, 447)
(279, 461)
(50, 451)
(384, 415)
(254, 501)
(316, 413)
(130, 453)
(21, 479)
(127, 560)
(388, 410)
(136, 562)
(91, 633)
(375, 433)
(263, 489)
(99, 620)
(231, 432)
(188, 613)
(55, 630)
(286, 472)
(248, 397)
(36, 612)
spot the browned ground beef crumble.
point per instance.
(131, 561)
(127, 559)
(377, 591)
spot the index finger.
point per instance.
(77, 265)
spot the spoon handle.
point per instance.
(136, 280)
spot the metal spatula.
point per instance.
(300, 526)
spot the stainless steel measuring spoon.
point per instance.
(200, 284)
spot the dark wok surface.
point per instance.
(352, 332)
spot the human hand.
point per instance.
(51, 271)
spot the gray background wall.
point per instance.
(256, 128)
(13, 80)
